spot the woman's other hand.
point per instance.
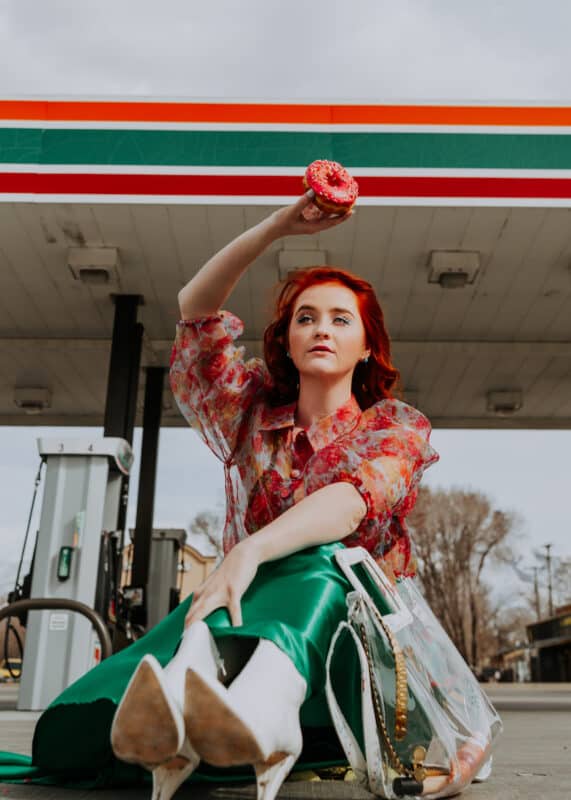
(225, 587)
(302, 217)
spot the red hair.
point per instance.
(372, 381)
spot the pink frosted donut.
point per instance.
(335, 190)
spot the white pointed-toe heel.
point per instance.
(169, 776)
(255, 721)
(148, 727)
(148, 730)
(269, 777)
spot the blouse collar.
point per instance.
(323, 431)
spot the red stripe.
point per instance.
(277, 185)
(46, 183)
(466, 187)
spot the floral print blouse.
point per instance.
(383, 451)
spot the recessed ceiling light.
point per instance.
(32, 399)
(94, 276)
(94, 266)
(453, 269)
(453, 280)
(504, 403)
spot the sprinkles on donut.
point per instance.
(335, 190)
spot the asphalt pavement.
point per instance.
(533, 759)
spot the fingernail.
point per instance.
(310, 193)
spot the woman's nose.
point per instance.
(321, 331)
(321, 327)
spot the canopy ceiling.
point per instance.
(160, 187)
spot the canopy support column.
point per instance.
(147, 476)
(123, 380)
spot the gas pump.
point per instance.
(74, 550)
(163, 594)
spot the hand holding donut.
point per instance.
(331, 194)
(291, 220)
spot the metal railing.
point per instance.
(53, 603)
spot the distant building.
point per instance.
(550, 647)
(514, 664)
(195, 563)
(196, 567)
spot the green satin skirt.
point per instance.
(296, 602)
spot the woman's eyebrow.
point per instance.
(335, 310)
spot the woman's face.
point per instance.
(326, 333)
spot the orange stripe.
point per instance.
(282, 113)
(451, 115)
(116, 111)
(23, 109)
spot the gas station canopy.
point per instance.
(463, 226)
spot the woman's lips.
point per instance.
(320, 349)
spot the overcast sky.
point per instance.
(376, 50)
(323, 49)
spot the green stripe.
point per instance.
(275, 149)
(20, 145)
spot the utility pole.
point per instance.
(536, 592)
(549, 579)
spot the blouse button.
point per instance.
(285, 492)
(295, 473)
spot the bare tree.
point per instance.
(209, 524)
(457, 534)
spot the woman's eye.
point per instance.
(305, 318)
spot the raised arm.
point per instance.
(208, 290)
(212, 383)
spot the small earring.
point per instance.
(365, 359)
(288, 354)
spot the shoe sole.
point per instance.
(217, 733)
(145, 729)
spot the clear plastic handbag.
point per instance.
(426, 728)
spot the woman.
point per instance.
(316, 452)
(317, 455)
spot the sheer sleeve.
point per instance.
(214, 387)
(384, 458)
